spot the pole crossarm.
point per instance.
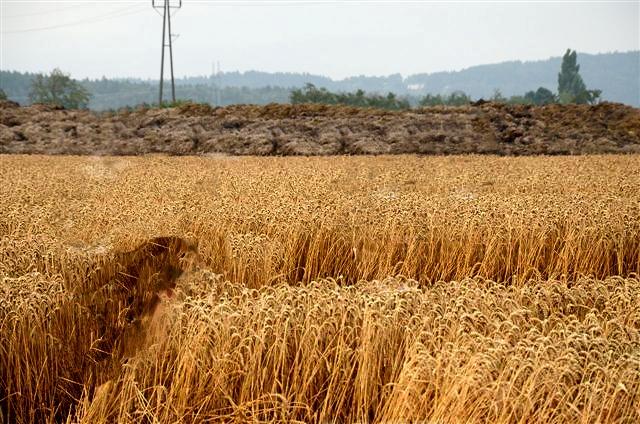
(157, 5)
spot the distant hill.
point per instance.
(616, 74)
(118, 93)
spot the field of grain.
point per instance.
(335, 289)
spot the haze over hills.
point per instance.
(616, 74)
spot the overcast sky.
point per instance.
(337, 39)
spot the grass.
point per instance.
(351, 289)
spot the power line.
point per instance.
(110, 15)
(42, 12)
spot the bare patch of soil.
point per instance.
(278, 129)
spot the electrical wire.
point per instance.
(42, 12)
(111, 15)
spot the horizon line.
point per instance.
(404, 76)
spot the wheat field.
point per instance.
(338, 289)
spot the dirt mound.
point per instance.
(278, 129)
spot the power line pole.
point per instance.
(215, 83)
(219, 92)
(167, 41)
(212, 82)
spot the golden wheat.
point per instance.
(359, 289)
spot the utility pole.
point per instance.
(167, 41)
(212, 82)
(218, 82)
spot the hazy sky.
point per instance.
(337, 38)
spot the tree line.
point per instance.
(60, 89)
(113, 94)
(571, 89)
(311, 94)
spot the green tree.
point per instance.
(3, 95)
(59, 89)
(571, 87)
(542, 96)
(457, 98)
(431, 100)
(311, 94)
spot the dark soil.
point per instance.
(322, 130)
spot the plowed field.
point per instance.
(323, 130)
